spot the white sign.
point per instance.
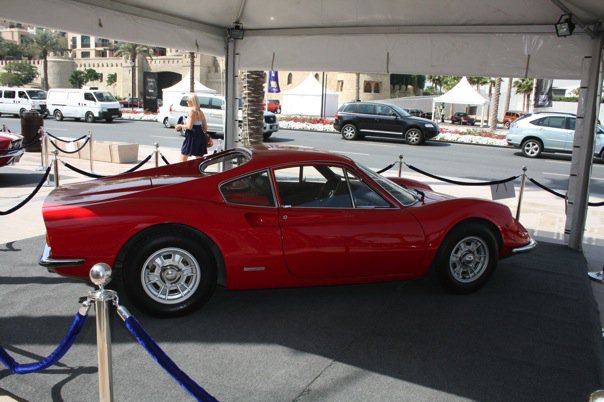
(504, 190)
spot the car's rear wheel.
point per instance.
(58, 115)
(414, 136)
(350, 132)
(169, 274)
(89, 117)
(466, 258)
(532, 148)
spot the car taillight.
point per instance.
(337, 116)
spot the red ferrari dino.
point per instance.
(270, 216)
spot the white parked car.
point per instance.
(548, 132)
(211, 105)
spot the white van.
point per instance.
(15, 101)
(90, 105)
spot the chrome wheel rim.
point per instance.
(414, 136)
(469, 259)
(531, 149)
(170, 275)
(349, 132)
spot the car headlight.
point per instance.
(429, 125)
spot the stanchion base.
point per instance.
(596, 276)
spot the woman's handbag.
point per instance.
(210, 141)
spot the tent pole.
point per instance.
(231, 81)
(583, 145)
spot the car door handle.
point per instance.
(257, 219)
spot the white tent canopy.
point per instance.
(462, 94)
(494, 38)
(173, 94)
(307, 98)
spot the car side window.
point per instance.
(204, 102)
(217, 103)
(319, 186)
(363, 195)
(183, 101)
(384, 110)
(22, 95)
(88, 96)
(570, 123)
(9, 94)
(254, 189)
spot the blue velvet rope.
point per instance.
(164, 360)
(72, 334)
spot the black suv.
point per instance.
(358, 119)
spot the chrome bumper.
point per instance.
(51, 263)
(531, 245)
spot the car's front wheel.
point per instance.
(532, 148)
(414, 136)
(466, 258)
(166, 123)
(169, 274)
(89, 117)
(350, 132)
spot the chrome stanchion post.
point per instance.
(156, 154)
(521, 194)
(55, 165)
(400, 165)
(43, 149)
(90, 149)
(100, 275)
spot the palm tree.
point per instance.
(525, 87)
(192, 72)
(495, 104)
(132, 50)
(252, 91)
(43, 43)
(437, 82)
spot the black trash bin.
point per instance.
(31, 121)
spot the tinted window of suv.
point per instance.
(551, 121)
(364, 108)
(384, 110)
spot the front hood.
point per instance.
(108, 188)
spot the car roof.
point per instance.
(279, 154)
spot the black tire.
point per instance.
(166, 123)
(467, 258)
(90, 117)
(414, 136)
(350, 132)
(58, 115)
(266, 136)
(184, 262)
(21, 111)
(531, 148)
(278, 110)
(507, 124)
(109, 119)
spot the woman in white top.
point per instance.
(195, 126)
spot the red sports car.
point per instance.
(10, 148)
(270, 216)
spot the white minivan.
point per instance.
(15, 101)
(90, 105)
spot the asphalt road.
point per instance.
(453, 160)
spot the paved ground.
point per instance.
(533, 333)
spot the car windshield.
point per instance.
(36, 94)
(403, 195)
(102, 96)
(223, 161)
